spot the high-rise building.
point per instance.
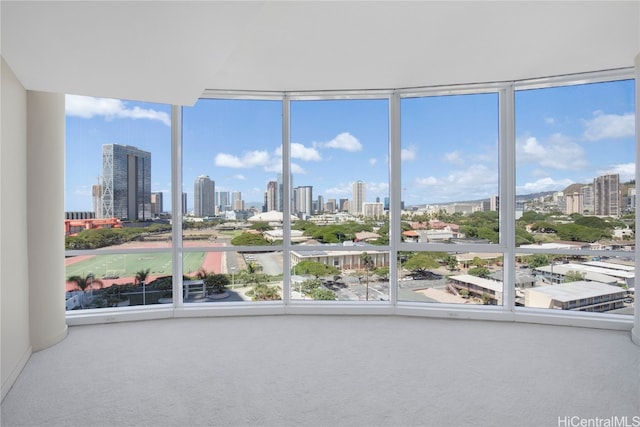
(574, 203)
(330, 206)
(344, 205)
(280, 192)
(156, 204)
(320, 207)
(126, 182)
(237, 204)
(271, 196)
(96, 195)
(223, 201)
(373, 210)
(204, 190)
(606, 195)
(358, 197)
(303, 197)
(587, 198)
(184, 203)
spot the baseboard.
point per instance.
(13, 376)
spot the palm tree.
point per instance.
(367, 262)
(141, 276)
(84, 283)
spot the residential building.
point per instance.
(373, 210)
(606, 195)
(204, 190)
(358, 197)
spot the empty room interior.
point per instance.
(319, 213)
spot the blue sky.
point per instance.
(449, 144)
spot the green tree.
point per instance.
(141, 276)
(421, 261)
(261, 226)
(249, 239)
(314, 268)
(452, 262)
(322, 294)
(573, 276)
(479, 271)
(367, 263)
(216, 282)
(84, 282)
(263, 292)
(538, 260)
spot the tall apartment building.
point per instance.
(330, 206)
(126, 182)
(358, 197)
(373, 210)
(320, 207)
(303, 200)
(204, 190)
(184, 203)
(574, 203)
(606, 195)
(280, 192)
(587, 198)
(156, 204)
(271, 196)
(344, 205)
(237, 204)
(223, 201)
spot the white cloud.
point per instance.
(609, 126)
(408, 154)
(88, 107)
(373, 161)
(454, 157)
(474, 182)
(239, 177)
(558, 152)
(299, 151)
(627, 171)
(377, 189)
(344, 141)
(424, 182)
(248, 160)
(339, 190)
(550, 120)
(544, 184)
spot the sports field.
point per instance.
(127, 265)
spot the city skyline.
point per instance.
(449, 144)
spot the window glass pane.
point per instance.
(331, 274)
(117, 190)
(575, 186)
(339, 168)
(230, 276)
(118, 280)
(452, 278)
(232, 156)
(450, 168)
(575, 163)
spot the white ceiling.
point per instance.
(171, 51)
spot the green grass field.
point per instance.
(127, 265)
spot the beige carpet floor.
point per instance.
(328, 371)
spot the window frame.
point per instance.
(506, 169)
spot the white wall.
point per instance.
(14, 268)
(45, 214)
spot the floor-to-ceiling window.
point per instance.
(117, 203)
(576, 196)
(507, 197)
